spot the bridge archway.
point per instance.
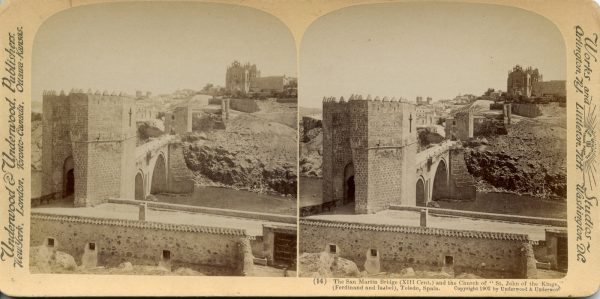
(68, 177)
(440, 181)
(159, 176)
(420, 193)
(139, 186)
(349, 185)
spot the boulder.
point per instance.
(65, 260)
(408, 272)
(126, 266)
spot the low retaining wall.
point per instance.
(206, 210)
(141, 242)
(244, 105)
(480, 215)
(488, 254)
(527, 110)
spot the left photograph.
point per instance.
(164, 142)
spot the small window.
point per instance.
(92, 246)
(373, 252)
(50, 242)
(332, 248)
(173, 117)
(449, 261)
(166, 255)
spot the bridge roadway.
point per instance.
(129, 212)
(536, 232)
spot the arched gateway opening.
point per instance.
(68, 177)
(440, 182)
(421, 201)
(349, 186)
(159, 176)
(139, 187)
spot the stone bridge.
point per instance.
(441, 173)
(160, 168)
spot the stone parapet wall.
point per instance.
(490, 216)
(535, 110)
(207, 210)
(490, 254)
(141, 242)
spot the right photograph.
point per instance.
(432, 143)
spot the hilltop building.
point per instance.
(529, 83)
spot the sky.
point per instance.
(423, 49)
(157, 47)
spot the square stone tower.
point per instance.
(88, 146)
(369, 151)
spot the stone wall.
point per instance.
(178, 121)
(181, 178)
(460, 127)
(244, 105)
(140, 242)
(556, 88)
(534, 110)
(461, 183)
(527, 110)
(491, 255)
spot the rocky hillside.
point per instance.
(251, 153)
(529, 159)
(311, 145)
(36, 143)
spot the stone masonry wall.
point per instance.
(179, 121)
(422, 248)
(244, 105)
(534, 110)
(337, 153)
(392, 149)
(181, 179)
(527, 110)
(461, 184)
(56, 143)
(139, 242)
(378, 137)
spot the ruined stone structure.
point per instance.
(89, 150)
(240, 78)
(179, 120)
(460, 125)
